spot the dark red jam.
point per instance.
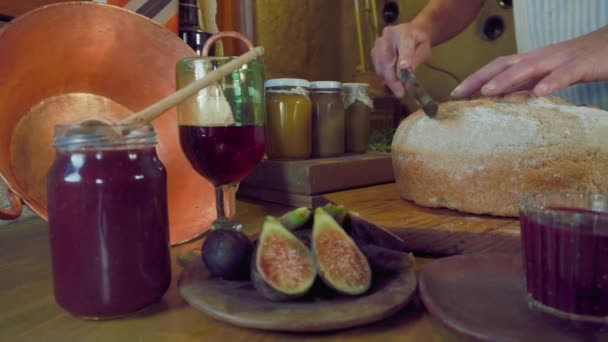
(566, 266)
(108, 231)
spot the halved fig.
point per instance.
(296, 219)
(282, 266)
(340, 263)
(336, 211)
(362, 230)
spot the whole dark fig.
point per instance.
(383, 259)
(227, 254)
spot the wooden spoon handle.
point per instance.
(152, 112)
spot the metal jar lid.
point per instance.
(326, 85)
(287, 82)
(91, 137)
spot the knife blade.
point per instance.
(412, 86)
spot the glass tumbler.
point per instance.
(565, 254)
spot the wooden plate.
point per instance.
(482, 297)
(238, 302)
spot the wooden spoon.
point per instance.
(150, 113)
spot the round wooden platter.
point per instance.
(238, 302)
(482, 297)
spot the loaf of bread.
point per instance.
(481, 156)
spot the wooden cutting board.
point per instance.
(302, 183)
(322, 175)
(429, 230)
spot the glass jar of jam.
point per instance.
(108, 221)
(327, 119)
(565, 254)
(359, 107)
(288, 119)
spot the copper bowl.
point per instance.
(66, 62)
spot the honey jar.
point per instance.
(288, 119)
(327, 119)
(358, 106)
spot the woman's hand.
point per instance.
(406, 42)
(407, 45)
(544, 70)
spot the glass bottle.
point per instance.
(191, 28)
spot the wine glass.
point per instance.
(221, 130)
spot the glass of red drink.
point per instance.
(221, 129)
(565, 254)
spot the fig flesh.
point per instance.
(282, 266)
(227, 253)
(339, 262)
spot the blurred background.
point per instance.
(329, 40)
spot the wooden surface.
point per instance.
(322, 175)
(238, 302)
(483, 297)
(281, 197)
(428, 230)
(29, 312)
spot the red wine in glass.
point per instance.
(223, 154)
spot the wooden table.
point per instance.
(29, 311)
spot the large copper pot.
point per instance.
(65, 62)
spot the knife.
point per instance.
(412, 86)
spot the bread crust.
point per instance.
(481, 156)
